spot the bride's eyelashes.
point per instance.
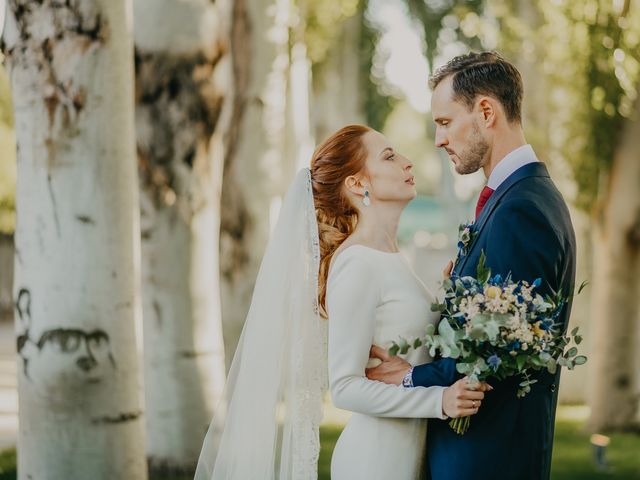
(391, 157)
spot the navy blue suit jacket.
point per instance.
(524, 229)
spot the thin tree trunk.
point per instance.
(337, 85)
(77, 243)
(614, 359)
(183, 78)
(255, 170)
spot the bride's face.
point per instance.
(388, 173)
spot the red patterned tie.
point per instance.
(484, 196)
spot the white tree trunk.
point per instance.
(337, 88)
(255, 168)
(614, 362)
(77, 242)
(183, 79)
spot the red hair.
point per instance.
(341, 155)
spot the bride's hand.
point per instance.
(446, 273)
(463, 399)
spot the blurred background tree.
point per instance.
(183, 103)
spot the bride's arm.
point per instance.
(352, 297)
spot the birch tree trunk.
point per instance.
(77, 243)
(183, 79)
(337, 87)
(614, 361)
(254, 172)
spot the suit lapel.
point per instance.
(537, 169)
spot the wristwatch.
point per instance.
(407, 380)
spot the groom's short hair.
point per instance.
(484, 73)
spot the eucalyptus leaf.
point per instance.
(580, 360)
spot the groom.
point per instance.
(523, 226)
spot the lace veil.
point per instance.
(267, 425)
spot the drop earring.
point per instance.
(366, 200)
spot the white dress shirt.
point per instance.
(515, 159)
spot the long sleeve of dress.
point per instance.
(352, 297)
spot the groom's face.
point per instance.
(458, 130)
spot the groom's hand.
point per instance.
(391, 370)
(463, 398)
(446, 273)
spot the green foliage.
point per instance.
(594, 52)
(322, 22)
(587, 52)
(8, 462)
(455, 16)
(377, 104)
(7, 158)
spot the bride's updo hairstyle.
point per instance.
(341, 155)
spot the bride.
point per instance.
(331, 284)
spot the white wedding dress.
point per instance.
(372, 298)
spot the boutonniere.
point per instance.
(466, 236)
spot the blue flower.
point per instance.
(494, 362)
(515, 345)
(537, 282)
(546, 324)
(497, 280)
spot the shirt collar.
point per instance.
(515, 159)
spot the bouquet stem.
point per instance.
(460, 425)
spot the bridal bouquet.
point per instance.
(495, 327)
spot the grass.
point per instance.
(8, 464)
(572, 456)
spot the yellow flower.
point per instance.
(537, 330)
(493, 292)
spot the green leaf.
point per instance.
(580, 360)
(582, 285)
(574, 332)
(573, 351)
(483, 273)
(464, 368)
(417, 343)
(577, 339)
(393, 350)
(404, 345)
(520, 361)
(552, 366)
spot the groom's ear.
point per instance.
(488, 110)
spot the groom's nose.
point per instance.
(441, 138)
